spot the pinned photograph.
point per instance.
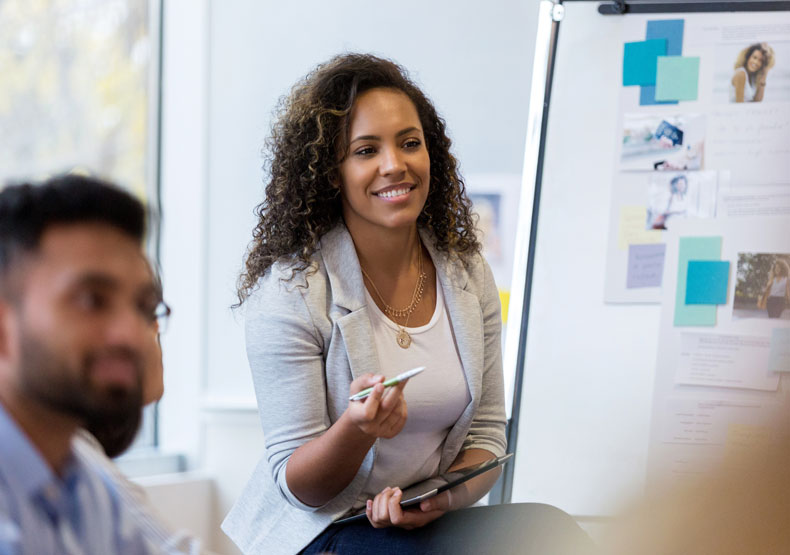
(678, 195)
(489, 223)
(752, 72)
(662, 142)
(762, 286)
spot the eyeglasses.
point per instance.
(162, 316)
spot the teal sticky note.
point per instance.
(677, 78)
(780, 350)
(694, 248)
(706, 282)
(640, 59)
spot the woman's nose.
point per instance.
(391, 161)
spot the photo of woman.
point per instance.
(777, 290)
(762, 286)
(751, 67)
(673, 196)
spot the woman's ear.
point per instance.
(334, 180)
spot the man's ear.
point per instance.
(5, 315)
(9, 327)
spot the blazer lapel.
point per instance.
(463, 308)
(466, 319)
(348, 296)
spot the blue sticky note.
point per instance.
(647, 96)
(672, 31)
(677, 78)
(640, 61)
(694, 248)
(780, 350)
(669, 29)
(645, 265)
(706, 282)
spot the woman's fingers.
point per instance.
(441, 502)
(377, 509)
(383, 413)
(365, 381)
(373, 402)
(393, 396)
(385, 510)
(394, 510)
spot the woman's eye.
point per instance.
(412, 143)
(365, 151)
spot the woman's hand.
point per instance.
(383, 413)
(385, 510)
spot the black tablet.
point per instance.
(415, 493)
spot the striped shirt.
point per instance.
(86, 511)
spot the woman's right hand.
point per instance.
(383, 413)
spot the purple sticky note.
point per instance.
(645, 265)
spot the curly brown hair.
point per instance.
(302, 159)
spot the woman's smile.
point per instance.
(386, 170)
(396, 193)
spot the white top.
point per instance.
(778, 287)
(748, 89)
(436, 398)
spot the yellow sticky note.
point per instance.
(504, 299)
(632, 228)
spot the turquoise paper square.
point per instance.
(706, 282)
(640, 59)
(677, 78)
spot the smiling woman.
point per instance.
(751, 70)
(385, 175)
(365, 263)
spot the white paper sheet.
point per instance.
(723, 360)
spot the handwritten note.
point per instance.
(752, 140)
(633, 220)
(645, 265)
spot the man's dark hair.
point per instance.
(27, 210)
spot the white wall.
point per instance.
(472, 59)
(226, 64)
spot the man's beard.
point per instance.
(112, 414)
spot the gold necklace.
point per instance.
(402, 338)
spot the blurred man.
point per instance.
(77, 307)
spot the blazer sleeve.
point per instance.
(487, 430)
(285, 353)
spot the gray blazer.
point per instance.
(307, 339)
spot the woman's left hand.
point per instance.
(385, 510)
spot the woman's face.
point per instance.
(385, 174)
(755, 61)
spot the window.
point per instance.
(79, 91)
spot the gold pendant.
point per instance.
(403, 339)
